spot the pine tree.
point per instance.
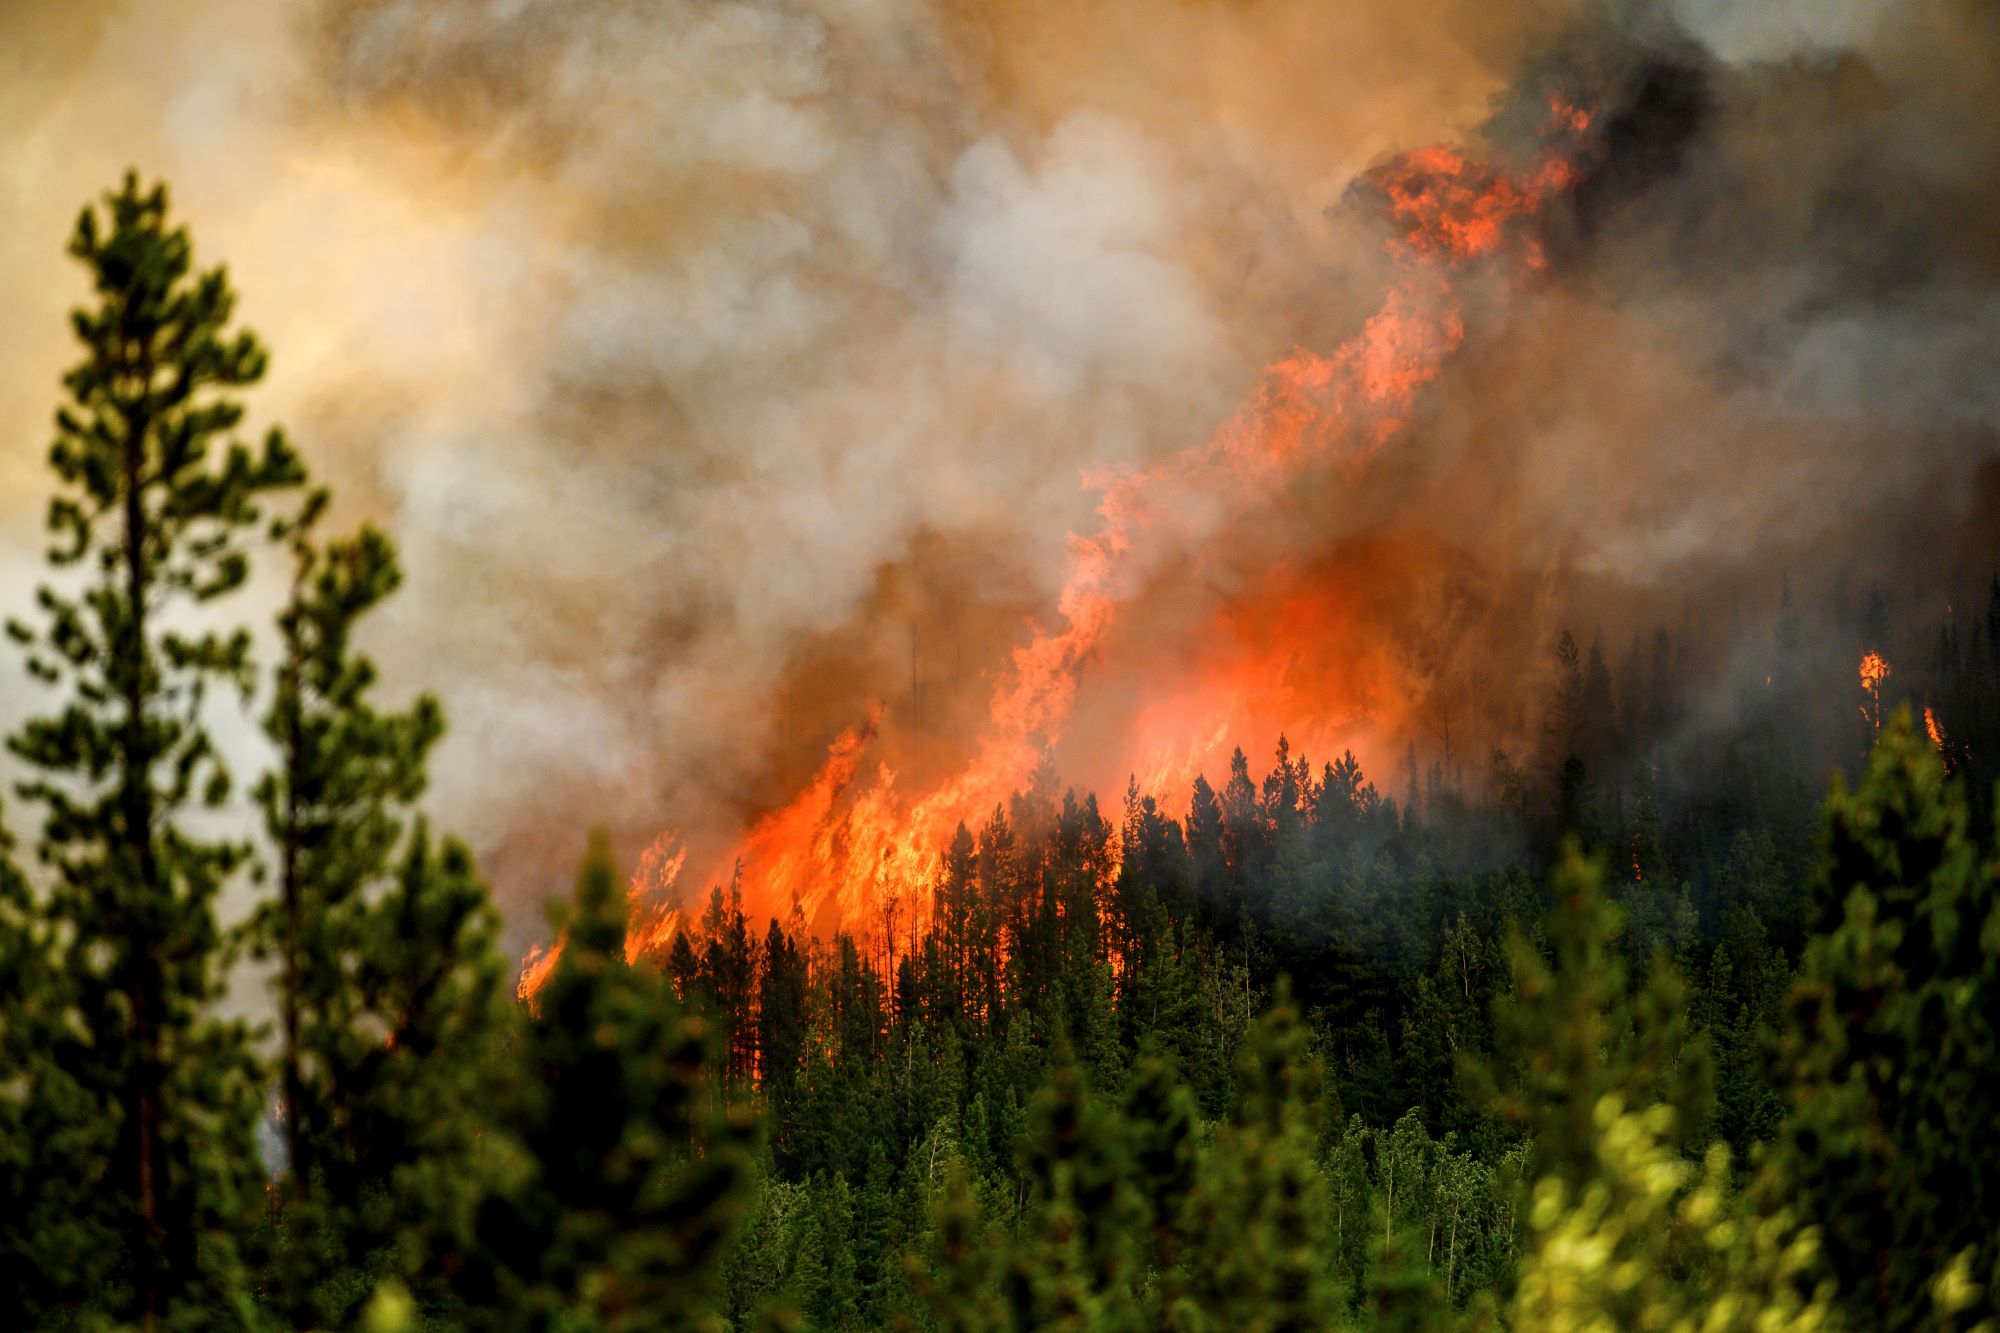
(961, 1278)
(877, 1241)
(781, 1030)
(1079, 1252)
(153, 505)
(334, 811)
(55, 1145)
(1662, 702)
(1162, 1128)
(822, 1280)
(1563, 724)
(1573, 1036)
(1600, 738)
(1621, 1233)
(1262, 1209)
(1896, 1039)
(616, 1179)
(410, 1059)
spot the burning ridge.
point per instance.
(852, 842)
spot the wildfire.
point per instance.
(1874, 670)
(649, 929)
(853, 846)
(536, 969)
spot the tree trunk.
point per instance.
(1451, 1257)
(147, 1076)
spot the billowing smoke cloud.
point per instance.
(722, 367)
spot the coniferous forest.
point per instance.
(1594, 1043)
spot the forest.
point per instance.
(1590, 1039)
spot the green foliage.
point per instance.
(1643, 1242)
(390, 991)
(1080, 1093)
(1263, 1206)
(152, 506)
(55, 1138)
(963, 1280)
(397, 1072)
(1621, 1232)
(1893, 1057)
(1574, 1035)
(615, 1175)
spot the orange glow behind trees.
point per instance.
(853, 844)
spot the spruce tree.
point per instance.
(153, 503)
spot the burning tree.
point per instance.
(1874, 670)
(851, 844)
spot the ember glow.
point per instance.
(854, 846)
(1874, 671)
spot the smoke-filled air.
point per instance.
(1166, 619)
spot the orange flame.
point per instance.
(1933, 728)
(649, 929)
(851, 847)
(1874, 670)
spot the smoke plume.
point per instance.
(731, 373)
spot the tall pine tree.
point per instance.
(153, 503)
(391, 994)
(616, 1179)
